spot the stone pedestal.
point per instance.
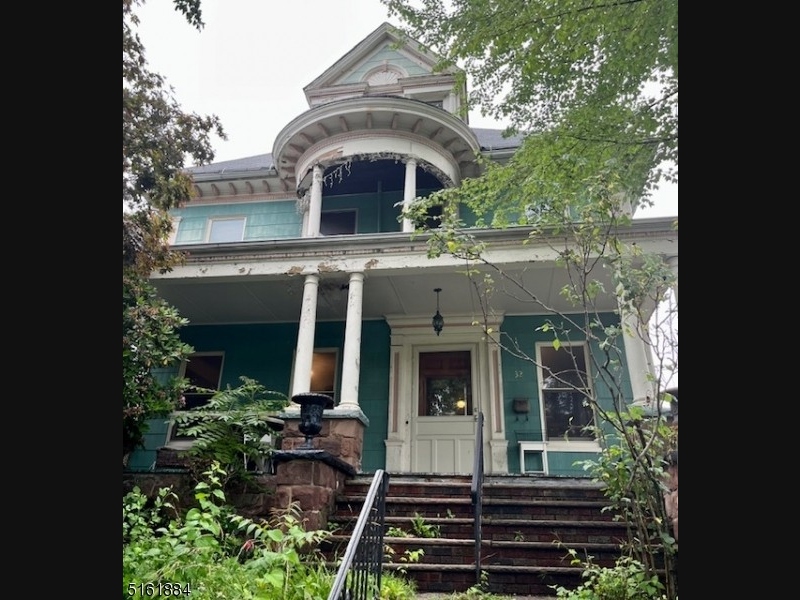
(342, 436)
(312, 478)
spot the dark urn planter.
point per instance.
(312, 405)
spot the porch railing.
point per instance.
(359, 575)
(476, 494)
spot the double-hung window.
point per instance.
(564, 389)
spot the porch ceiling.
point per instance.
(263, 283)
(410, 293)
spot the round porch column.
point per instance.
(304, 357)
(409, 192)
(315, 206)
(351, 360)
(637, 354)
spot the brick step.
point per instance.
(497, 487)
(527, 527)
(502, 579)
(506, 529)
(461, 507)
(461, 551)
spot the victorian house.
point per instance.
(302, 274)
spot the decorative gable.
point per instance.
(386, 63)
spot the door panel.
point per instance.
(444, 444)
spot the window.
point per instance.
(338, 222)
(323, 373)
(226, 230)
(203, 370)
(564, 386)
(445, 383)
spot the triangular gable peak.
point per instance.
(386, 63)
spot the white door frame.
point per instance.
(409, 336)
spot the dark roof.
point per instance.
(258, 162)
(489, 139)
(492, 139)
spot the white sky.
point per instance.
(251, 61)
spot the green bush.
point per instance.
(229, 427)
(626, 580)
(215, 553)
(210, 552)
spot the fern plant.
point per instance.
(228, 429)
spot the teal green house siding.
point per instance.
(376, 212)
(144, 458)
(264, 352)
(263, 220)
(520, 380)
(373, 392)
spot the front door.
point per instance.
(444, 422)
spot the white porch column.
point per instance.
(672, 261)
(351, 360)
(409, 192)
(304, 357)
(637, 353)
(315, 207)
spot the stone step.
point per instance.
(527, 527)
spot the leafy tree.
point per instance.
(593, 89)
(592, 80)
(157, 138)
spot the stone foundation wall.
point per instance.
(253, 501)
(311, 478)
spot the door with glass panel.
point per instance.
(443, 432)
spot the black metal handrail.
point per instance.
(359, 575)
(476, 494)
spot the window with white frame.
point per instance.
(564, 388)
(226, 229)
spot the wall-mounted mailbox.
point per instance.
(521, 405)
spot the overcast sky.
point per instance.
(251, 61)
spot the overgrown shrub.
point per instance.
(229, 427)
(213, 553)
(626, 580)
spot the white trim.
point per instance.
(573, 446)
(533, 447)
